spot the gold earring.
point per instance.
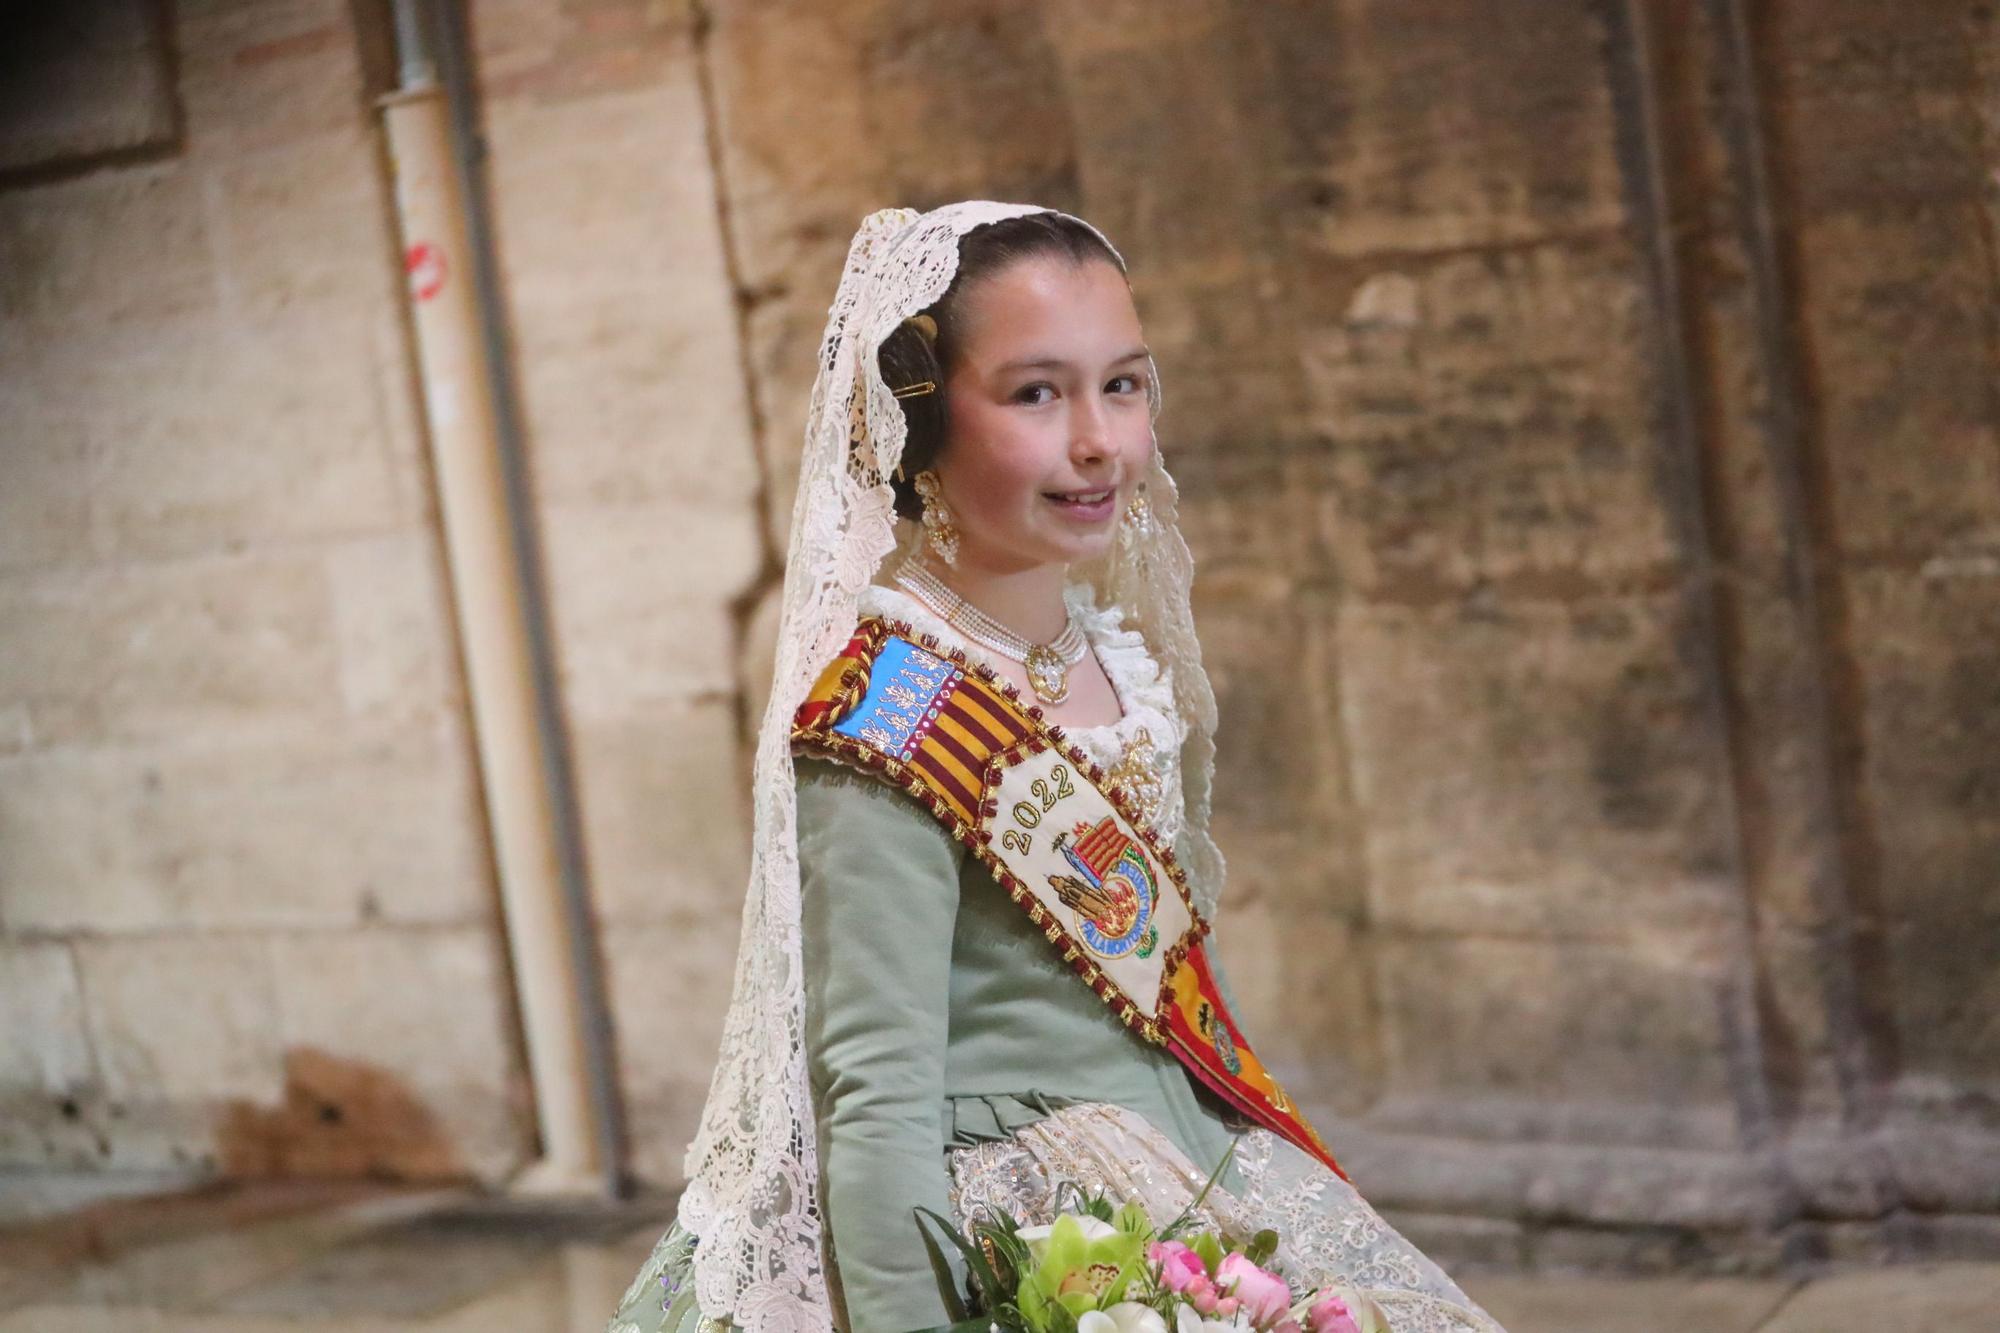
(938, 527)
(1139, 511)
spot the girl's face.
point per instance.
(1049, 427)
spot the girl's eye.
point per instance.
(1022, 394)
(1132, 380)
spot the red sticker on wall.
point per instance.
(424, 263)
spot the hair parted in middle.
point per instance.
(907, 357)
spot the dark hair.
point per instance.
(906, 357)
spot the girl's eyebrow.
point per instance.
(1057, 363)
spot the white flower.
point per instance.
(1187, 1321)
(1124, 1317)
(1038, 1237)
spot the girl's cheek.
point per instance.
(1011, 462)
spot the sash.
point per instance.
(1066, 846)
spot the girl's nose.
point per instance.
(1090, 435)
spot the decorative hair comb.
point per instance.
(926, 328)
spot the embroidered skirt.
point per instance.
(1327, 1231)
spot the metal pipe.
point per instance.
(476, 442)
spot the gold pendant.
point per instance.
(1048, 674)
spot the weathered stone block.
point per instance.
(1930, 674)
(1580, 1040)
(1787, 720)
(44, 505)
(642, 601)
(1804, 1025)
(183, 1019)
(1934, 1296)
(1275, 736)
(1464, 1246)
(1626, 1305)
(617, 279)
(783, 349)
(1431, 126)
(1498, 429)
(666, 813)
(379, 823)
(1246, 508)
(219, 439)
(1284, 816)
(1540, 1178)
(1911, 445)
(861, 72)
(394, 628)
(1882, 103)
(44, 1049)
(398, 1041)
(257, 75)
(669, 986)
(1536, 765)
(16, 732)
(215, 648)
(128, 249)
(304, 226)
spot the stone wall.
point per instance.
(1585, 421)
(246, 920)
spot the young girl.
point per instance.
(974, 960)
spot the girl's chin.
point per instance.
(1040, 543)
(1075, 548)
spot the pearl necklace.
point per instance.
(1048, 664)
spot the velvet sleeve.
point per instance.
(879, 901)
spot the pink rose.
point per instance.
(1263, 1296)
(1332, 1316)
(1178, 1264)
(1202, 1295)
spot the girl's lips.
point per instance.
(1086, 506)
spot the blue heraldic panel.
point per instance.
(905, 691)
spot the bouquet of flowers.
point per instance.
(1100, 1269)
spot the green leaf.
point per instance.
(1262, 1246)
(1015, 1258)
(941, 1270)
(985, 1280)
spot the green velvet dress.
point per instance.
(937, 1018)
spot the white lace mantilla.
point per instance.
(753, 1171)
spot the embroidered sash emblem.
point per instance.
(1069, 844)
(1114, 900)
